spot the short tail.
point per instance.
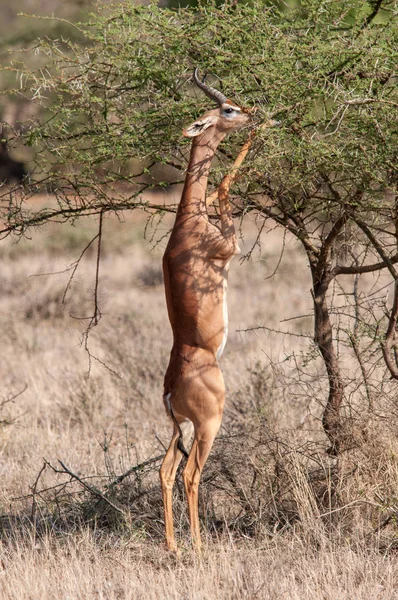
(180, 442)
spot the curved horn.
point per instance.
(210, 92)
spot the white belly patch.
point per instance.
(225, 320)
(167, 401)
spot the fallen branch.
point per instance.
(134, 469)
(89, 488)
(34, 492)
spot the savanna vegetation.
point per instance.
(299, 495)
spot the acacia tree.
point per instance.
(325, 70)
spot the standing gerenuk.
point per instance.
(195, 267)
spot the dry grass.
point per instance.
(282, 519)
(88, 567)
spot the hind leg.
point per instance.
(167, 474)
(205, 434)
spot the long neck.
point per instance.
(193, 197)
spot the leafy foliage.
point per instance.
(127, 93)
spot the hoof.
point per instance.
(172, 547)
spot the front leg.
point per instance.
(230, 241)
(222, 245)
(222, 193)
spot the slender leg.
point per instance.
(202, 444)
(167, 474)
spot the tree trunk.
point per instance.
(323, 338)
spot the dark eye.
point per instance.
(229, 111)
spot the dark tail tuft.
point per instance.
(181, 447)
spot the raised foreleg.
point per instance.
(230, 177)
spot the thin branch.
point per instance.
(74, 267)
(376, 244)
(54, 487)
(354, 343)
(97, 312)
(134, 469)
(34, 492)
(362, 101)
(348, 505)
(11, 421)
(360, 269)
(96, 316)
(87, 487)
(248, 255)
(372, 15)
(14, 396)
(64, 214)
(271, 330)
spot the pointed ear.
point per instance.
(199, 126)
